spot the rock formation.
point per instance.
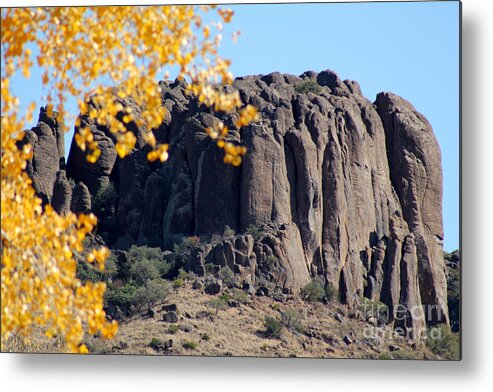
(332, 185)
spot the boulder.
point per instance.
(170, 317)
(214, 287)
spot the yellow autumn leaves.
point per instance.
(79, 49)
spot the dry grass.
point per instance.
(239, 331)
(35, 342)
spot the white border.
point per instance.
(474, 373)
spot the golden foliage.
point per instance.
(78, 49)
(39, 287)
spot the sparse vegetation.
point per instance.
(453, 298)
(273, 327)
(105, 197)
(228, 233)
(152, 292)
(148, 255)
(139, 282)
(188, 244)
(177, 283)
(443, 342)
(131, 299)
(190, 345)
(285, 88)
(399, 354)
(121, 297)
(271, 261)
(308, 85)
(87, 273)
(331, 293)
(218, 304)
(313, 291)
(297, 328)
(254, 231)
(240, 296)
(173, 328)
(404, 354)
(292, 320)
(227, 276)
(155, 343)
(143, 270)
(375, 309)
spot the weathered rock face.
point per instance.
(416, 175)
(332, 185)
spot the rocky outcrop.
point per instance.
(47, 141)
(62, 193)
(416, 175)
(332, 185)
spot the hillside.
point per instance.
(309, 330)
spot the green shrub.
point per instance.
(225, 297)
(385, 356)
(308, 85)
(399, 354)
(173, 328)
(190, 345)
(104, 197)
(188, 244)
(227, 276)
(182, 274)
(145, 252)
(240, 296)
(284, 88)
(331, 293)
(86, 273)
(228, 233)
(292, 320)
(271, 261)
(143, 270)
(121, 296)
(443, 342)
(177, 283)
(254, 231)
(209, 267)
(218, 304)
(313, 291)
(404, 354)
(205, 337)
(375, 309)
(133, 298)
(273, 327)
(142, 257)
(152, 292)
(155, 343)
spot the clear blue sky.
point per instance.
(411, 49)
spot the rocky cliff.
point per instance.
(332, 185)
